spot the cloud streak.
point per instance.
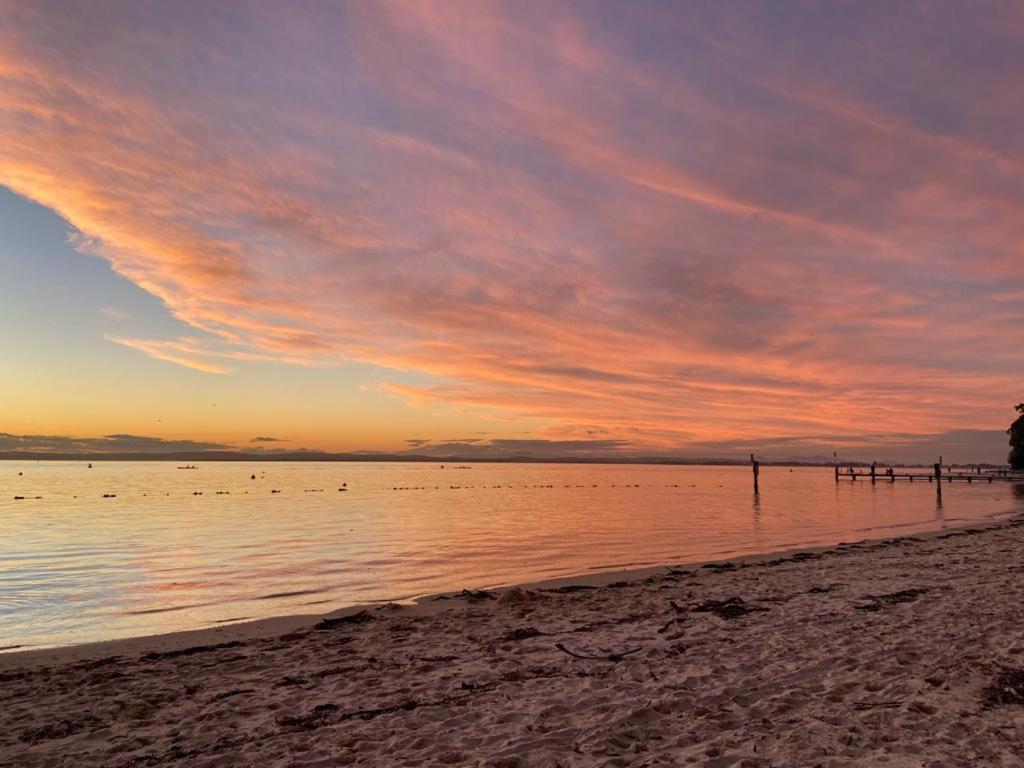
(672, 224)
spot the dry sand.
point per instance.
(892, 653)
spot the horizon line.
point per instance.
(383, 457)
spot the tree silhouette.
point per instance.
(1016, 433)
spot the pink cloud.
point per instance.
(642, 224)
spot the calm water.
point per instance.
(77, 567)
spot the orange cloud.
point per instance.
(624, 222)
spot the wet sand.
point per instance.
(899, 653)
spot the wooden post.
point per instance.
(757, 470)
(938, 477)
(835, 463)
(872, 473)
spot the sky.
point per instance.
(682, 228)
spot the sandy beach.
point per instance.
(900, 652)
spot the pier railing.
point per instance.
(939, 473)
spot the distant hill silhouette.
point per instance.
(420, 458)
(189, 456)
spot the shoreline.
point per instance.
(424, 605)
(901, 652)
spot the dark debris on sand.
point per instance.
(158, 655)
(894, 598)
(356, 618)
(309, 721)
(1007, 688)
(731, 608)
(570, 589)
(59, 729)
(523, 633)
(720, 566)
(470, 595)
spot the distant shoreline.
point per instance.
(317, 456)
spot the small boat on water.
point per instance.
(190, 466)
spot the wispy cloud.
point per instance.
(185, 352)
(670, 224)
(114, 313)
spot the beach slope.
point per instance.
(896, 653)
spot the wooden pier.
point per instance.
(874, 474)
(937, 475)
(928, 477)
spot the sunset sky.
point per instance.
(689, 228)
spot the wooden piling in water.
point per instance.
(757, 470)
